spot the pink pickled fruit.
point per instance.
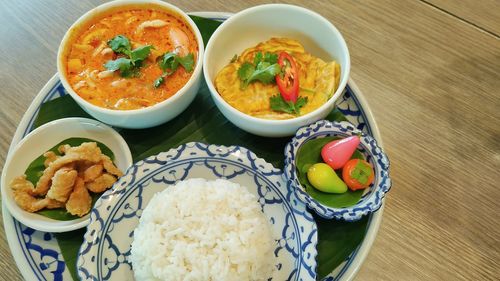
(336, 153)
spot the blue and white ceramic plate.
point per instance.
(38, 255)
(372, 196)
(106, 246)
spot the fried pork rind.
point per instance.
(50, 157)
(62, 184)
(110, 167)
(24, 197)
(93, 172)
(101, 183)
(67, 180)
(87, 151)
(80, 201)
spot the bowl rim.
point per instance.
(381, 186)
(116, 4)
(338, 92)
(49, 224)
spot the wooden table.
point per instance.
(430, 71)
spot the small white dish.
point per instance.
(257, 24)
(42, 139)
(138, 118)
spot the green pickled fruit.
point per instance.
(324, 178)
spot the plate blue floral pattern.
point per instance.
(372, 197)
(37, 253)
(106, 247)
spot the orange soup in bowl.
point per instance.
(131, 58)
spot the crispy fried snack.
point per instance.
(24, 197)
(50, 157)
(101, 183)
(79, 202)
(67, 180)
(92, 172)
(87, 151)
(62, 184)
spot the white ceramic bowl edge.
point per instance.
(41, 140)
(139, 118)
(251, 26)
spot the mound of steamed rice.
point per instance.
(203, 230)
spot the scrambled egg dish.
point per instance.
(318, 81)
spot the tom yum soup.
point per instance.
(131, 59)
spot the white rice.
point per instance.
(203, 230)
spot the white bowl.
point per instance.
(42, 139)
(251, 26)
(138, 118)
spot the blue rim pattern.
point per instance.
(221, 162)
(38, 247)
(371, 200)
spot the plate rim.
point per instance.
(360, 253)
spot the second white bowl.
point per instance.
(138, 118)
(42, 139)
(251, 26)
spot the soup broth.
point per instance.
(91, 50)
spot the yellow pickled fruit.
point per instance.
(324, 178)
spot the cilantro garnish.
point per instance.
(264, 68)
(130, 64)
(169, 62)
(124, 65)
(279, 104)
(120, 45)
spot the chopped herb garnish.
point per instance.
(263, 69)
(169, 63)
(235, 57)
(279, 104)
(124, 65)
(159, 81)
(187, 62)
(120, 45)
(140, 54)
(130, 64)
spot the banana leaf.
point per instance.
(203, 122)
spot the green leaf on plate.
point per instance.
(206, 27)
(310, 153)
(336, 241)
(69, 243)
(36, 168)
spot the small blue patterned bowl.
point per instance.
(372, 197)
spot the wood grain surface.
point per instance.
(485, 14)
(432, 80)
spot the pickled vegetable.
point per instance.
(358, 174)
(338, 152)
(323, 177)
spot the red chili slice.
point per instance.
(288, 85)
